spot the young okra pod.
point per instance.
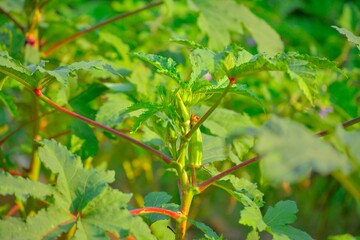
(195, 145)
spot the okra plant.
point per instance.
(130, 120)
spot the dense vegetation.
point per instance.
(179, 119)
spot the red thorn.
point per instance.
(37, 92)
(232, 80)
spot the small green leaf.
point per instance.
(278, 219)
(159, 199)
(17, 71)
(344, 237)
(251, 216)
(166, 66)
(209, 233)
(349, 35)
(156, 199)
(291, 152)
(84, 135)
(111, 112)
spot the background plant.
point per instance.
(221, 91)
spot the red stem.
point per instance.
(79, 34)
(202, 186)
(12, 172)
(165, 158)
(12, 211)
(146, 210)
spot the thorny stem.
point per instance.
(165, 158)
(202, 186)
(9, 16)
(81, 33)
(147, 210)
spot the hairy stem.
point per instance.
(81, 33)
(202, 186)
(147, 210)
(165, 158)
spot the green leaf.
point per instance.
(218, 19)
(349, 35)
(301, 68)
(278, 219)
(17, 71)
(111, 112)
(209, 233)
(76, 185)
(267, 39)
(62, 73)
(45, 223)
(156, 199)
(344, 237)
(166, 66)
(251, 216)
(159, 199)
(107, 212)
(23, 187)
(236, 141)
(291, 152)
(351, 140)
(84, 136)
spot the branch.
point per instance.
(113, 19)
(202, 186)
(17, 24)
(165, 158)
(146, 210)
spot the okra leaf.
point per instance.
(291, 152)
(163, 65)
(278, 219)
(17, 71)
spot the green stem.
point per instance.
(347, 184)
(35, 163)
(79, 34)
(208, 113)
(187, 197)
(165, 158)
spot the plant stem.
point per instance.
(345, 125)
(202, 186)
(187, 197)
(347, 184)
(113, 19)
(9, 16)
(165, 158)
(35, 163)
(211, 110)
(146, 210)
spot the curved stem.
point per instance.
(165, 158)
(147, 210)
(81, 33)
